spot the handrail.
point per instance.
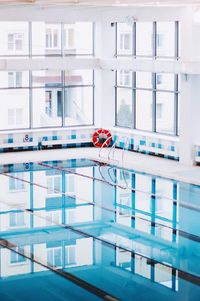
(112, 149)
(123, 170)
(104, 143)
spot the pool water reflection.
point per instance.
(124, 234)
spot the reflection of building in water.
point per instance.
(58, 197)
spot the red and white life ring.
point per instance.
(104, 135)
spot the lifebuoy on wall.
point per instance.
(101, 138)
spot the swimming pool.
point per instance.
(83, 230)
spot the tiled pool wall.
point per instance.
(46, 139)
(163, 147)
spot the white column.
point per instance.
(105, 79)
(189, 107)
(189, 117)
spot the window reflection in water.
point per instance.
(138, 202)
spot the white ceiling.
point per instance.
(101, 2)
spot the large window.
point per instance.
(54, 98)
(148, 39)
(46, 98)
(147, 101)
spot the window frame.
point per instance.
(154, 91)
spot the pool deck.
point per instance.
(132, 160)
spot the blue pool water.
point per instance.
(79, 230)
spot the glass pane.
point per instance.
(14, 38)
(78, 106)
(78, 38)
(46, 78)
(14, 113)
(124, 39)
(46, 38)
(78, 77)
(165, 39)
(165, 112)
(163, 275)
(47, 107)
(144, 80)
(144, 110)
(124, 107)
(144, 38)
(165, 81)
(124, 78)
(14, 79)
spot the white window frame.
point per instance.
(122, 41)
(52, 38)
(14, 79)
(51, 181)
(68, 251)
(16, 220)
(13, 39)
(51, 253)
(15, 116)
(19, 185)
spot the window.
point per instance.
(14, 105)
(54, 184)
(165, 39)
(46, 98)
(158, 79)
(123, 259)
(70, 184)
(159, 110)
(165, 114)
(17, 219)
(124, 39)
(15, 79)
(143, 110)
(78, 106)
(125, 78)
(71, 216)
(78, 38)
(144, 39)
(69, 38)
(148, 39)
(144, 80)
(54, 256)
(15, 117)
(70, 255)
(15, 41)
(16, 184)
(149, 103)
(159, 40)
(124, 107)
(51, 38)
(47, 107)
(53, 218)
(142, 267)
(16, 258)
